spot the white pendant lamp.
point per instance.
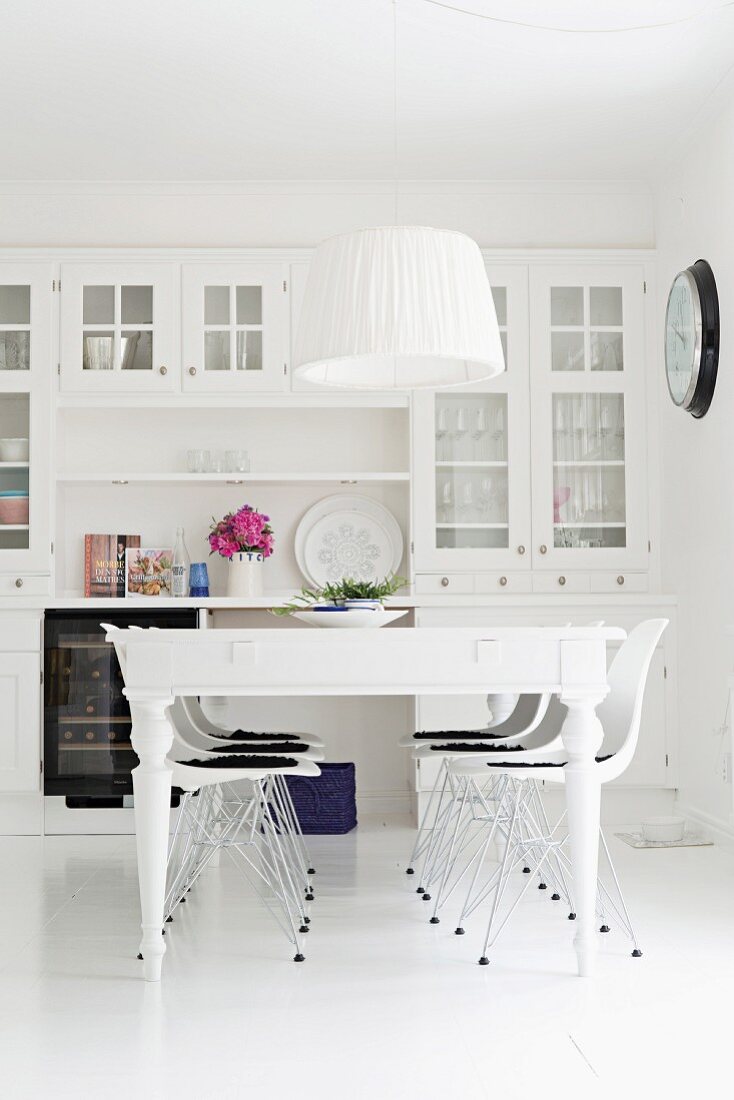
(399, 307)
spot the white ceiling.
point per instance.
(303, 89)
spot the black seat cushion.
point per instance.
(541, 764)
(286, 746)
(466, 735)
(461, 746)
(248, 735)
(257, 763)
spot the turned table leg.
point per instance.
(151, 739)
(582, 736)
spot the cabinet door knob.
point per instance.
(521, 549)
(620, 579)
(561, 581)
(444, 582)
(503, 581)
(544, 549)
(163, 370)
(192, 371)
(19, 582)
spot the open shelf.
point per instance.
(14, 465)
(229, 478)
(470, 465)
(590, 462)
(14, 527)
(473, 526)
(591, 523)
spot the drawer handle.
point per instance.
(444, 582)
(544, 549)
(521, 549)
(192, 371)
(19, 582)
(561, 581)
(503, 581)
(620, 579)
(163, 370)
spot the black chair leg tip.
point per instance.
(604, 928)
(555, 897)
(542, 886)
(434, 920)
(458, 931)
(310, 897)
(526, 870)
(306, 920)
(484, 961)
(299, 958)
(409, 871)
(419, 890)
(140, 957)
(637, 954)
(304, 928)
(311, 871)
(182, 901)
(426, 897)
(163, 931)
(572, 916)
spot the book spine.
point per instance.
(87, 565)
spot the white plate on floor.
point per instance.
(348, 537)
(354, 620)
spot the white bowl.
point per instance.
(13, 450)
(354, 620)
(659, 830)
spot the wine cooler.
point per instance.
(88, 756)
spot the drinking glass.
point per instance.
(216, 462)
(197, 461)
(442, 429)
(480, 429)
(236, 462)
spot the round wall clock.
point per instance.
(692, 338)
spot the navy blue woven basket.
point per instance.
(325, 803)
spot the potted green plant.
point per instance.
(344, 594)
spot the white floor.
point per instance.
(385, 1006)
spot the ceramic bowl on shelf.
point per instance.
(345, 618)
(13, 507)
(14, 450)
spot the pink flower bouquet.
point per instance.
(243, 531)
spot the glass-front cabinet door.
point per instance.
(588, 444)
(471, 460)
(118, 328)
(26, 295)
(235, 327)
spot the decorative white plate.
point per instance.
(359, 620)
(348, 537)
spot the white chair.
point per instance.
(620, 715)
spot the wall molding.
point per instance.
(719, 830)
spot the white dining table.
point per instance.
(159, 665)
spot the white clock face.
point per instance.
(682, 337)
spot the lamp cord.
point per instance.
(579, 30)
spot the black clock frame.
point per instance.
(700, 401)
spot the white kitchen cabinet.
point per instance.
(26, 295)
(119, 324)
(235, 327)
(20, 721)
(471, 455)
(545, 467)
(589, 465)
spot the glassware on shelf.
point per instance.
(442, 430)
(447, 499)
(216, 462)
(467, 504)
(197, 461)
(480, 430)
(236, 462)
(486, 497)
(180, 567)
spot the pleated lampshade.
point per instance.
(400, 307)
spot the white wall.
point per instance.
(507, 214)
(695, 218)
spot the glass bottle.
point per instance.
(181, 563)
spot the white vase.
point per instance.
(245, 574)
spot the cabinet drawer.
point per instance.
(619, 582)
(503, 582)
(19, 632)
(561, 582)
(429, 584)
(31, 584)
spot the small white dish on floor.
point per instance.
(349, 619)
(662, 830)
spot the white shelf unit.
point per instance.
(232, 478)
